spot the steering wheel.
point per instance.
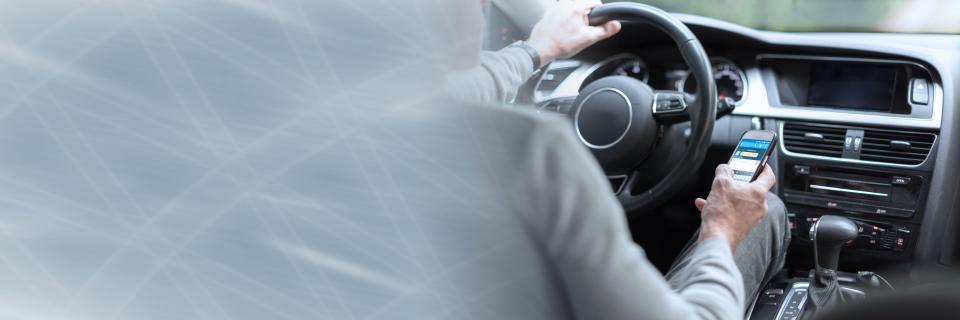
(625, 123)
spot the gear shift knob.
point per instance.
(828, 235)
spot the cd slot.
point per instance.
(862, 188)
(842, 190)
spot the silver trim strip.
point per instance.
(783, 148)
(576, 119)
(828, 188)
(797, 286)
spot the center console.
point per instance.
(876, 173)
(858, 139)
(877, 177)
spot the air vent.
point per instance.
(879, 145)
(896, 146)
(552, 79)
(820, 140)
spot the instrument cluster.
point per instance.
(729, 78)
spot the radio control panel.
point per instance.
(885, 204)
(859, 191)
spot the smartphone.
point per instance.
(752, 153)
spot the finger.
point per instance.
(699, 203)
(724, 170)
(766, 179)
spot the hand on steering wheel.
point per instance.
(565, 30)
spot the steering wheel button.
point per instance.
(663, 105)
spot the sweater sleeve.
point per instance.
(496, 80)
(582, 229)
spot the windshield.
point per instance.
(906, 16)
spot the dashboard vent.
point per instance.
(896, 146)
(820, 140)
(552, 79)
(879, 145)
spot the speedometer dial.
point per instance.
(634, 68)
(727, 76)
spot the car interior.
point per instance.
(867, 138)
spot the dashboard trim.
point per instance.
(756, 101)
(556, 65)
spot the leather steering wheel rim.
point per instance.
(702, 113)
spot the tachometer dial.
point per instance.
(728, 78)
(634, 68)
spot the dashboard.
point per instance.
(730, 79)
(867, 123)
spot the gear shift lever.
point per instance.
(828, 235)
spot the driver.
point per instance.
(739, 246)
(561, 33)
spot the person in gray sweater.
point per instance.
(719, 273)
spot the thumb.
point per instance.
(612, 27)
(603, 31)
(699, 203)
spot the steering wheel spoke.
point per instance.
(558, 105)
(627, 185)
(670, 106)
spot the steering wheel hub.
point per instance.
(603, 118)
(612, 116)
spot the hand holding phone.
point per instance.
(752, 153)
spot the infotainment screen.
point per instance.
(860, 86)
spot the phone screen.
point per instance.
(747, 158)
